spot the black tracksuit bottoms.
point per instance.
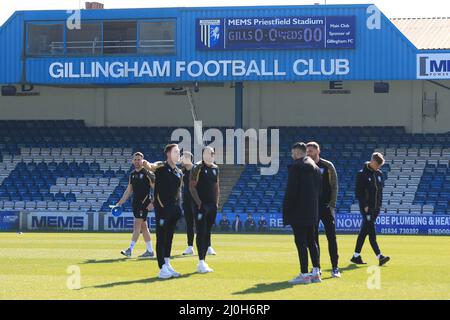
(189, 218)
(165, 228)
(204, 220)
(329, 224)
(305, 239)
(368, 229)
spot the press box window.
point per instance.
(120, 37)
(157, 37)
(45, 39)
(86, 40)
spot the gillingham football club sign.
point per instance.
(433, 66)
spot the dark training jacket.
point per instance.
(301, 200)
(369, 188)
(330, 185)
(168, 184)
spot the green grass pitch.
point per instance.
(35, 266)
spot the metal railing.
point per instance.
(94, 45)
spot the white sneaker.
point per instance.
(302, 278)
(165, 273)
(189, 251)
(211, 251)
(172, 271)
(316, 276)
(313, 271)
(335, 273)
(203, 267)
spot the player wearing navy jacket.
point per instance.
(369, 192)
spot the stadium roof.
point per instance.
(426, 33)
(400, 50)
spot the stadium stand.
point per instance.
(65, 165)
(416, 172)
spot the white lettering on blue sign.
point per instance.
(195, 69)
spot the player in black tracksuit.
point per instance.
(188, 203)
(167, 208)
(204, 187)
(327, 204)
(369, 192)
(301, 210)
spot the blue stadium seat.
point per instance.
(33, 179)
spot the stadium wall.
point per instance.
(442, 121)
(304, 104)
(265, 104)
(121, 106)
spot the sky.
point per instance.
(391, 8)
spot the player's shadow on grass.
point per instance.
(139, 281)
(347, 268)
(350, 266)
(277, 286)
(94, 261)
(179, 256)
(266, 287)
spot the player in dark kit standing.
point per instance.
(188, 203)
(369, 192)
(301, 211)
(167, 208)
(327, 204)
(140, 183)
(205, 190)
